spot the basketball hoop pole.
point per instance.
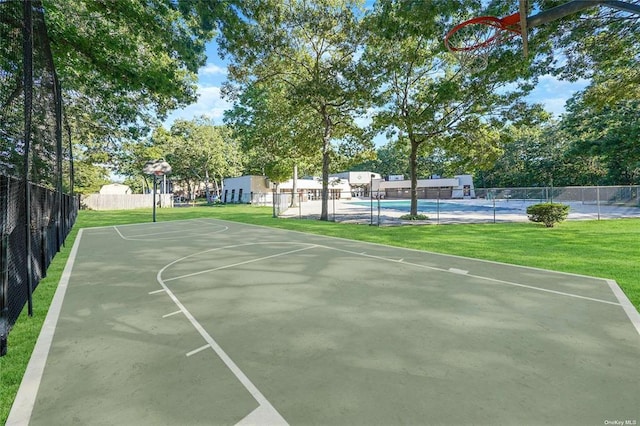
(620, 5)
(576, 6)
(156, 168)
(560, 12)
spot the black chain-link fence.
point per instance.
(596, 195)
(36, 167)
(483, 205)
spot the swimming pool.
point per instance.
(433, 206)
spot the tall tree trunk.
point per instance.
(326, 150)
(294, 187)
(189, 190)
(206, 186)
(413, 164)
(325, 184)
(216, 188)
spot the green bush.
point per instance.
(414, 217)
(548, 213)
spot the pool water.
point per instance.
(432, 206)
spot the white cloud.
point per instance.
(551, 84)
(209, 104)
(556, 106)
(554, 93)
(211, 69)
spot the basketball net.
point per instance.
(473, 41)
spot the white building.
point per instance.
(246, 189)
(115, 188)
(359, 182)
(460, 186)
(311, 188)
(259, 190)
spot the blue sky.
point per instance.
(550, 92)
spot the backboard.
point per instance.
(156, 167)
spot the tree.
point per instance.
(89, 178)
(123, 65)
(609, 134)
(199, 152)
(309, 49)
(601, 44)
(275, 134)
(440, 111)
(592, 145)
(131, 159)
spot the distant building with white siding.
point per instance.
(246, 189)
(258, 189)
(115, 188)
(460, 186)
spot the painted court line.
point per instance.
(629, 309)
(238, 264)
(545, 290)
(154, 235)
(158, 233)
(269, 412)
(22, 408)
(200, 349)
(119, 233)
(171, 314)
(458, 271)
(157, 291)
(426, 252)
(263, 415)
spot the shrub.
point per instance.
(548, 213)
(414, 217)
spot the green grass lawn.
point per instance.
(606, 249)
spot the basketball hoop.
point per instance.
(156, 168)
(472, 41)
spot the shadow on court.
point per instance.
(212, 322)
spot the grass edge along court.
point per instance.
(605, 249)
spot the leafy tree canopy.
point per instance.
(123, 64)
(309, 50)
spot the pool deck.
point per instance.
(506, 211)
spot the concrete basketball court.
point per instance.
(206, 322)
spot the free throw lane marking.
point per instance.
(155, 235)
(266, 413)
(239, 263)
